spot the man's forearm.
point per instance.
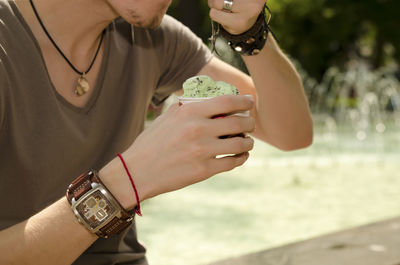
(283, 116)
(178, 149)
(53, 236)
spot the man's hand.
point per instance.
(180, 147)
(242, 17)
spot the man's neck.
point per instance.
(75, 25)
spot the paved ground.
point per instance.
(374, 244)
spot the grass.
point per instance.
(276, 198)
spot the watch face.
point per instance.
(95, 209)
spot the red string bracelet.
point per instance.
(137, 208)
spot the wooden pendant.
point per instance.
(82, 86)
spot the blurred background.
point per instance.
(347, 52)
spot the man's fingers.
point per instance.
(242, 16)
(225, 18)
(220, 105)
(232, 125)
(219, 5)
(238, 5)
(234, 145)
(235, 23)
(218, 165)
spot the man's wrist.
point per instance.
(114, 177)
(252, 41)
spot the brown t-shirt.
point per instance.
(46, 142)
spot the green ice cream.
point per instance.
(198, 87)
(203, 86)
(223, 88)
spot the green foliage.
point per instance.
(321, 33)
(194, 14)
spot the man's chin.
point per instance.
(152, 24)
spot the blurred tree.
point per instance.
(320, 33)
(193, 14)
(323, 33)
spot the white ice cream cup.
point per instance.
(185, 100)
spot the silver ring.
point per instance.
(228, 5)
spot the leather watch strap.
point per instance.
(81, 186)
(115, 226)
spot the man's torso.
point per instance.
(46, 140)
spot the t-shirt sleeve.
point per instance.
(3, 89)
(182, 55)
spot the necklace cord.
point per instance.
(59, 50)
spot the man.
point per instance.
(75, 81)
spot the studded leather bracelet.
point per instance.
(252, 41)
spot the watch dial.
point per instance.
(95, 209)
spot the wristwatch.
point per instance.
(95, 207)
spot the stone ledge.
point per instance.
(373, 244)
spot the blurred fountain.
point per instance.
(355, 109)
(359, 104)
